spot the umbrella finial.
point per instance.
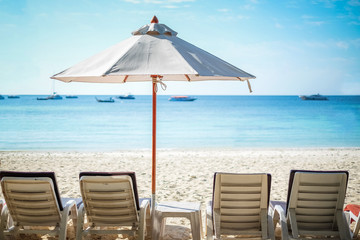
(154, 20)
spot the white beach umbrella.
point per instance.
(154, 53)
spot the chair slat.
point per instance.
(315, 211)
(318, 196)
(315, 219)
(319, 189)
(240, 218)
(316, 204)
(241, 189)
(240, 197)
(113, 211)
(240, 211)
(240, 204)
(240, 226)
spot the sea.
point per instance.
(83, 124)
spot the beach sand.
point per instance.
(187, 175)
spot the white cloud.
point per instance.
(307, 17)
(170, 6)
(133, 1)
(315, 23)
(315, 44)
(241, 17)
(342, 45)
(278, 25)
(167, 3)
(223, 10)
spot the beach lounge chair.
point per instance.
(110, 200)
(352, 212)
(239, 206)
(314, 206)
(33, 200)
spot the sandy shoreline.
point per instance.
(187, 175)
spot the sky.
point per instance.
(293, 47)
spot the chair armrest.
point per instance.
(209, 222)
(144, 209)
(279, 216)
(70, 207)
(350, 216)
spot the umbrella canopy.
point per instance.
(154, 53)
(154, 49)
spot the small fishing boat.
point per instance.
(71, 96)
(42, 98)
(13, 96)
(182, 98)
(128, 96)
(313, 97)
(105, 100)
(54, 96)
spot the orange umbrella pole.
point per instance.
(153, 173)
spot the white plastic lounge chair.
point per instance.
(352, 215)
(32, 199)
(314, 206)
(240, 206)
(110, 199)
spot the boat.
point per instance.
(71, 96)
(313, 97)
(42, 98)
(13, 96)
(182, 98)
(1, 97)
(54, 96)
(105, 100)
(128, 96)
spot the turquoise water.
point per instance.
(211, 121)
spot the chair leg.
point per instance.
(279, 214)
(343, 226)
(74, 215)
(80, 222)
(144, 209)
(65, 217)
(209, 227)
(271, 232)
(195, 226)
(3, 222)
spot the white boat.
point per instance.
(182, 98)
(313, 97)
(54, 96)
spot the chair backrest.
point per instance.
(315, 198)
(110, 198)
(241, 201)
(32, 197)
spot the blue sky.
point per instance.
(292, 47)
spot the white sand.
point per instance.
(187, 175)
